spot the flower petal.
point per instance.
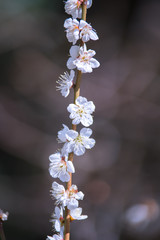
(71, 135)
(89, 107)
(70, 64)
(72, 107)
(79, 195)
(72, 204)
(74, 51)
(89, 143)
(86, 132)
(70, 167)
(81, 101)
(79, 149)
(64, 177)
(57, 226)
(87, 120)
(76, 120)
(94, 63)
(68, 22)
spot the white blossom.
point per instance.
(72, 30)
(58, 220)
(67, 198)
(60, 167)
(55, 237)
(81, 111)
(72, 196)
(74, 7)
(76, 214)
(3, 215)
(78, 143)
(82, 59)
(59, 193)
(65, 83)
(87, 32)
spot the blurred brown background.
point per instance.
(120, 176)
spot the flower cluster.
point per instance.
(80, 112)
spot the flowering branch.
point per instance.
(76, 95)
(61, 163)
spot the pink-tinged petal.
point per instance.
(87, 120)
(86, 132)
(70, 64)
(81, 101)
(94, 63)
(71, 135)
(79, 149)
(89, 143)
(74, 51)
(70, 167)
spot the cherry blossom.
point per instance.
(76, 214)
(72, 196)
(78, 143)
(67, 198)
(87, 32)
(60, 167)
(81, 111)
(74, 7)
(65, 83)
(82, 59)
(72, 30)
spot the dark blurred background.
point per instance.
(120, 176)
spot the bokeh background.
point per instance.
(120, 176)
